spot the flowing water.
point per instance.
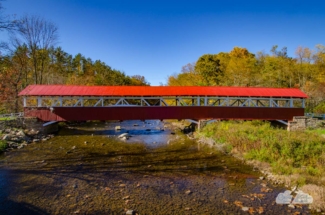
(86, 169)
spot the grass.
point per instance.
(3, 145)
(317, 131)
(7, 118)
(301, 153)
(295, 158)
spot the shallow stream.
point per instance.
(86, 169)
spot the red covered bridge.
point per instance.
(76, 103)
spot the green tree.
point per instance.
(208, 67)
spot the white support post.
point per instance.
(144, 102)
(198, 99)
(303, 103)
(25, 101)
(60, 101)
(39, 101)
(291, 102)
(82, 101)
(205, 101)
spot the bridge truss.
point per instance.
(86, 101)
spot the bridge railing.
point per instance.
(315, 115)
(86, 101)
(11, 115)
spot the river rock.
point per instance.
(8, 130)
(21, 133)
(130, 212)
(284, 198)
(13, 145)
(36, 140)
(33, 132)
(302, 198)
(245, 208)
(117, 127)
(188, 192)
(125, 138)
(6, 137)
(126, 197)
(15, 139)
(124, 135)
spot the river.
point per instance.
(86, 169)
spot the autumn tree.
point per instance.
(39, 35)
(139, 80)
(14, 70)
(241, 68)
(187, 77)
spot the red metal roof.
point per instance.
(71, 90)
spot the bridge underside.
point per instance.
(161, 113)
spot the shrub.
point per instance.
(286, 151)
(3, 145)
(320, 108)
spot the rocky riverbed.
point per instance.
(87, 169)
(19, 138)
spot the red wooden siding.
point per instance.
(175, 112)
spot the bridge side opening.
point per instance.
(67, 101)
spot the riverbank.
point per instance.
(295, 159)
(17, 138)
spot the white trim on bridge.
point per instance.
(89, 101)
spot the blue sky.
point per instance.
(156, 38)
